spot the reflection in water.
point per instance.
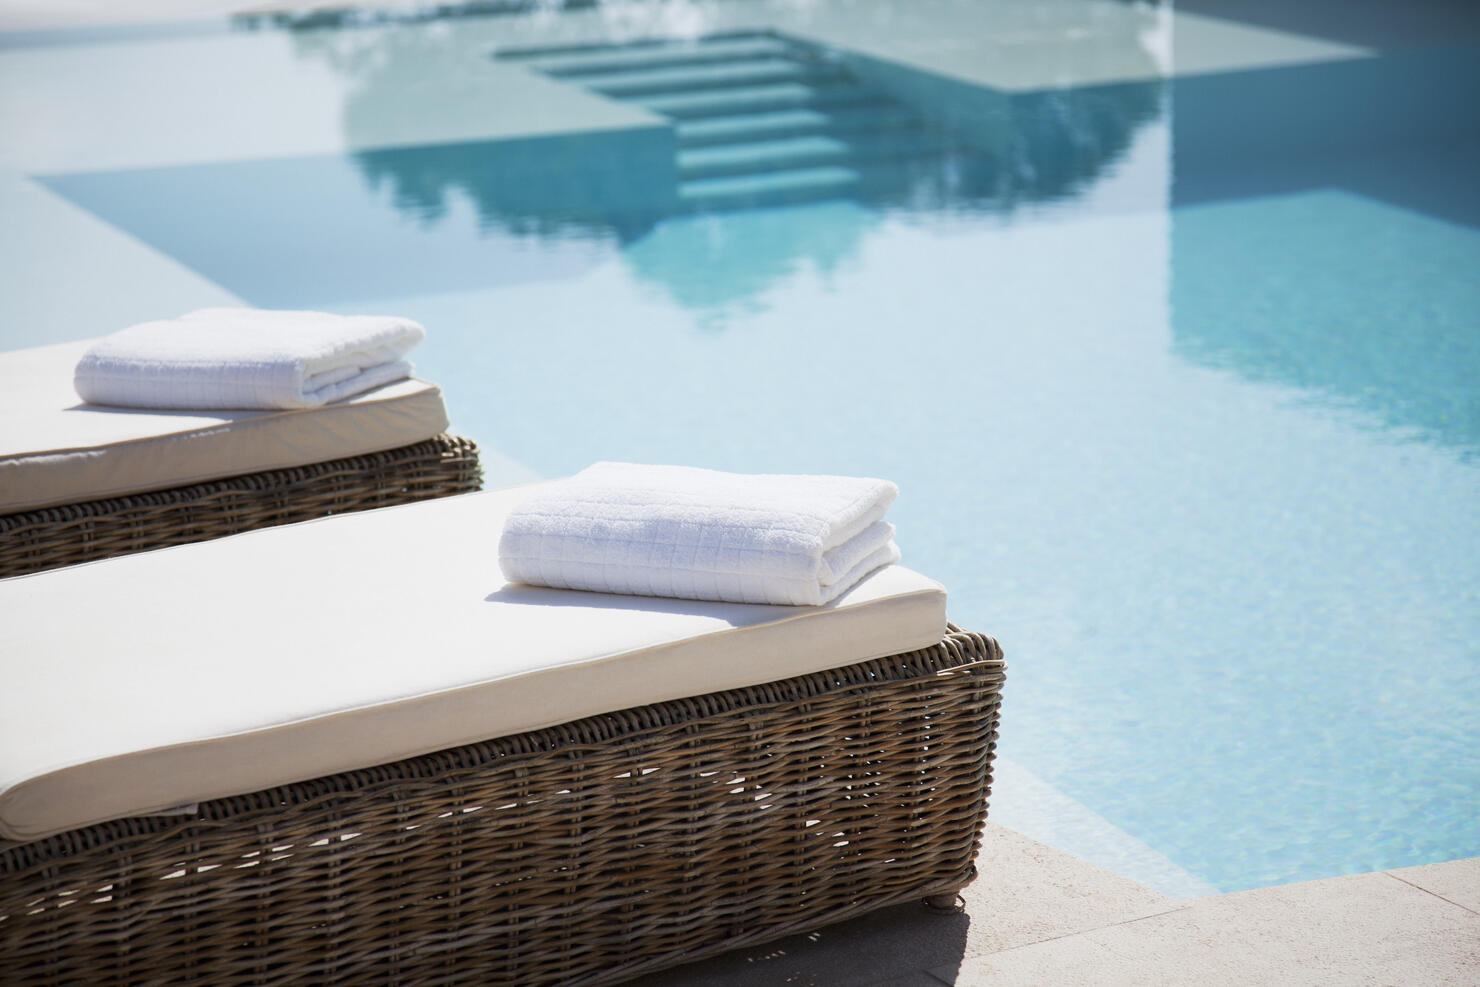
(1363, 304)
(1377, 125)
(1323, 245)
(1060, 141)
(719, 263)
(1323, 227)
(583, 184)
(517, 187)
(757, 120)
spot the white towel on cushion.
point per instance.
(246, 358)
(701, 534)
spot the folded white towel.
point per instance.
(701, 534)
(246, 358)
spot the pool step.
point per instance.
(758, 156)
(759, 119)
(758, 99)
(637, 83)
(803, 151)
(806, 150)
(769, 188)
(575, 65)
(532, 53)
(705, 131)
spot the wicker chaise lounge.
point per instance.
(80, 482)
(404, 769)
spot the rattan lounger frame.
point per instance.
(585, 853)
(31, 541)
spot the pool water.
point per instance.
(1178, 378)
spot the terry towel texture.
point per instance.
(246, 358)
(701, 534)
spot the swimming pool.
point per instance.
(1176, 370)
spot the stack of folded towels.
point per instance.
(246, 358)
(613, 528)
(701, 534)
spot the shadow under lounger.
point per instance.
(615, 784)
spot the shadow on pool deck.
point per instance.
(1037, 915)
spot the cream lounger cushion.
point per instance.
(54, 449)
(141, 683)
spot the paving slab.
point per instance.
(1457, 881)
(273, 94)
(1365, 929)
(1202, 44)
(1027, 892)
(894, 945)
(39, 15)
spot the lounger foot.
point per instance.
(949, 902)
(945, 904)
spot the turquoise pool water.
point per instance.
(1178, 379)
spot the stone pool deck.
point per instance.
(1040, 916)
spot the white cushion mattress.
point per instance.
(54, 449)
(146, 682)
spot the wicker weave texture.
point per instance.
(31, 541)
(582, 854)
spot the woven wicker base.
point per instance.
(586, 853)
(56, 536)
